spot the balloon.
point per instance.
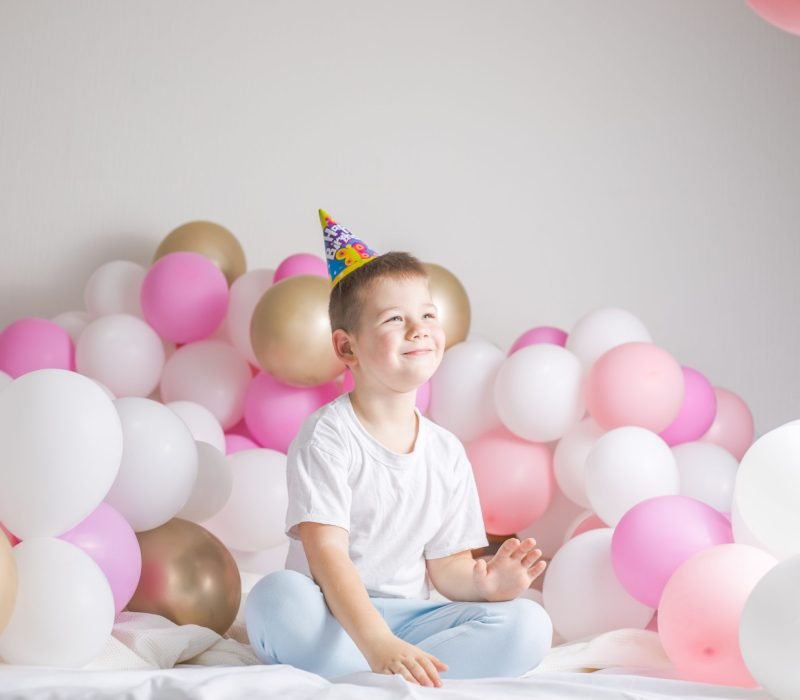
(451, 301)
(697, 410)
(733, 426)
(274, 411)
(514, 480)
(123, 353)
(245, 293)
(64, 610)
(212, 487)
(769, 632)
(701, 608)
(210, 240)
(210, 373)
(73, 322)
(462, 390)
(582, 594)
(291, 333)
(110, 541)
(656, 536)
(549, 529)
(540, 334)
(11, 537)
(203, 424)
(707, 473)
(253, 517)
(585, 522)
(5, 379)
(237, 443)
(188, 576)
(115, 288)
(767, 487)
(60, 451)
(35, 343)
(538, 392)
(422, 401)
(159, 464)
(784, 14)
(301, 264)
(8, 582)
(603, 329)
(569, 459)
(184, 297)
(627, 466)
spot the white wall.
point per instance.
(557, 156)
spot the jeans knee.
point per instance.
(530, 634)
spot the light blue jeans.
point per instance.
(288, 622)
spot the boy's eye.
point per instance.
(430, 315)
(394, 318)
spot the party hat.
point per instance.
(343, 251)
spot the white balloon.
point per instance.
(73, 322)
(254, 516)
(582, 593)
(245, 293)
(212, 487)
(626, 466)
(114, 288)
(60, 451)
(707, 473)
(211, 373)
(201, 422)
(548, 530)
(598, 331)
(538, 392)
(769, 630)
(462, 390)
(5, 379)
(741, 533)
(767, 490)
(64, 610)
(159, 464)
(122, 352)
(569, 459)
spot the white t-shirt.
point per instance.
(400, 509)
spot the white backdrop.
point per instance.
(556, 156)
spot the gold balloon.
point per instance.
(291, 333)
(8, 581)
(207, 238)
(188, 576)
(451, 302)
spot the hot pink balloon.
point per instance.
(423, 392)
(514, 478)
(701, 608)
(656, 536)
(300, 264)
(184, 297)
(697, 412)
(637, 384)
(35, 343)
(274, 411)
(733, 426)
(237, 443)
(108, 539)
(540, 334)
(241, 428)
(784, 14)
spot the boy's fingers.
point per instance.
(441, 665)
(430, 669)
(508, 547)
(419, 673)
(530, 558)
(524, 547)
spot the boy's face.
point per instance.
(399, 341)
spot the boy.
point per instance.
(380, 498)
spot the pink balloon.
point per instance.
(237, 443)
(274, 411)
(784, 14)
(635, 384)
(241, 429)
(184, 297)
(423, 392)
(733, 426)
(35, 343)
(697, 410)
(108, 539)
(656, 536)
(590, 522)
(700, 611)
(540, 334)
(300, 264)
(515, 480)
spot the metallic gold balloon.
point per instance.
(207, 238)
(8, 581)
(291, 333)
(188, 576)
(451, 301)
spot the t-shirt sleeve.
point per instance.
(462, 522)
(316, 478)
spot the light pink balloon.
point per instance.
(274, 411)
(184, 297)
(636, 384)
(733, 426)
(586, 523)
(35, 343)
(514, 478)
(701, 608)
(235, 443)
(300, 264)
(540, 334)
(697, 410)
(784, 14)
(423, 392)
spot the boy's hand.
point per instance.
(510, 571)
(394, 656)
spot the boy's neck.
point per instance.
(390, 419)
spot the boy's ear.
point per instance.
(343, 347)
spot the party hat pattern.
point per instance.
(343, 251)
